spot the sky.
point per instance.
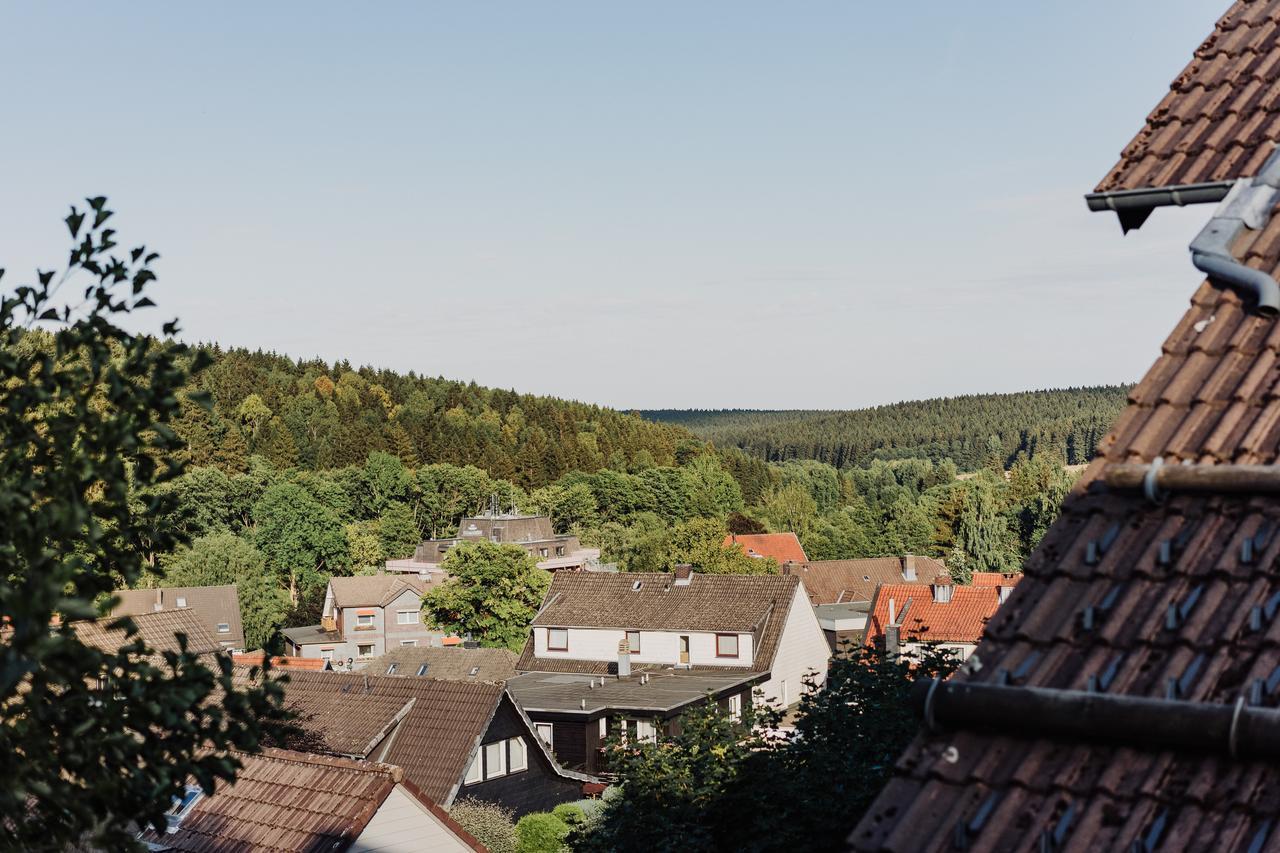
(657, 205)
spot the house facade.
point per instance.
(533, 533)
(630, 652)
(217, 606)
(363, 618)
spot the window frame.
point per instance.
(361, 655)
(224, 627)
(552, 648)
(409, 644)
(475, 770)
(550, 729)
(422, 670)
(415, 614)
(737, 646)
(512, 743)
(360, 617)
(501, 752)
(735, 706)
(635, 647)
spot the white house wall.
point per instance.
(404, 825)
(657, 647)
(801, 648)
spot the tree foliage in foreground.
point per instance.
(94, 740)
(724, 784)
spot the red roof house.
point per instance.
(783, 547)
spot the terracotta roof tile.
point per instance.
(960, 620)
(782, 547)
(1170, 606)
(284, 801)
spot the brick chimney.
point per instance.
(684, 574)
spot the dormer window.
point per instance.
(182, 806)
(557, 639)
(942, 593)
(726, 645)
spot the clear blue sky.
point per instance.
(732, 204)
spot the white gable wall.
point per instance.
(402, 824)
(801, 648)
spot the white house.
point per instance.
(657, 643)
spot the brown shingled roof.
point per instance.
(1221, 114)
(373, 590)
(214, 604)
(284, 801)
(707, 603)
(158, 630)
(840, 581)
(1127, 597)
(433, 743)
(451, 664)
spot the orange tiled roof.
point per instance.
(782, 547)
(995, 579)
(279, 661)
(959, 620)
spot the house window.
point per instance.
(364, 620)
(476, 771)
(407, 617)
(495, 759)
(182, 602)
(545, 732)
(224, 628)
(785, 696)
(604, 727)
(391, 670)
(408, 642)
(364, 650)
(557, 639)
(726, 645)
(735, 707)
(633, 640)
(182, 806)
(517, 755)
(638, 731)
(543, 552)
(326, 654)
(475, 670)
(559, 550)
(422, 670)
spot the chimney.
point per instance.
(909, 568)
(1002, 593)
(892, 642)
(624, 658)
(684, 574)
(941, 590)
(159, 603)
(891, 613)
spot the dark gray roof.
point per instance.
(665, 691)
(214, 605)
(305, 635)
(450, 663)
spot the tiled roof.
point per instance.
(435, 740)
(838, 581)
(158, 630)
(1128, 597)
(214, 604)
(1221, 113)
(373, 590)
(284, 801)
(450, 664)
(994, 579)
(279, 661)
(959, 620)
(707, 603)
(782, 547)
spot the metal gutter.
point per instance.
(1134, 206)
(1238, 730)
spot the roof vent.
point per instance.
(635, 585)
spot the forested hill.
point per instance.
(969, 430)
(313, 415)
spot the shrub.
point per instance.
(541, 832)
(571, 813)
(491, 824)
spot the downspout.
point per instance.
(1247, 206)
